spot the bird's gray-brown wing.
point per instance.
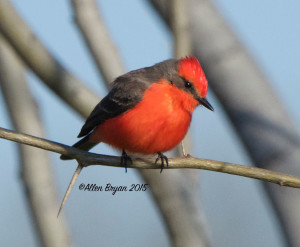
(125, 94)
(127, 91)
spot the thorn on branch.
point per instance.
(71, 184)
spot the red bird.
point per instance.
(148, 110)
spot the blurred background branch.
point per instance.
(182, 48)
(251, 104)
(93, 30)
(35, 166)
(42, 63)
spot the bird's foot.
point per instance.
(124, 160)
(163, 159)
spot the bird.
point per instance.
(148, 110)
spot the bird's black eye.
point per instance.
(188, 84)
(171, 82)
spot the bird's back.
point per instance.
(127, 91)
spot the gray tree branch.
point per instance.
(36, 172)
(42, 63)
(182, 47)
(189, 183)
(92, 28)
(89, 159)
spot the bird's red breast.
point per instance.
(156, 124)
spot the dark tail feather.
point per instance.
(83, 144)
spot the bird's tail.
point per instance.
(83, 144)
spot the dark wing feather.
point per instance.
(127, 91)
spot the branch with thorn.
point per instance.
(85, 159)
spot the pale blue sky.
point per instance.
(238, 213)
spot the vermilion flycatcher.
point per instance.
(148, 110)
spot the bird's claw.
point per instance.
(163, 159)
(124, 159)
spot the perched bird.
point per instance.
(148, 110)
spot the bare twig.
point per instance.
(71, 184)
(89, 159)
(36, 170)
(39, 60)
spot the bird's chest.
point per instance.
(156, 124)
(162, 108)
(159, 122)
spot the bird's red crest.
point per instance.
(190, 69)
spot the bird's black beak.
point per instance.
(205, 103)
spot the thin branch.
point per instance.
(89, 159)
(42, 63)
(71, 184)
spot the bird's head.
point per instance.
(191, 78)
